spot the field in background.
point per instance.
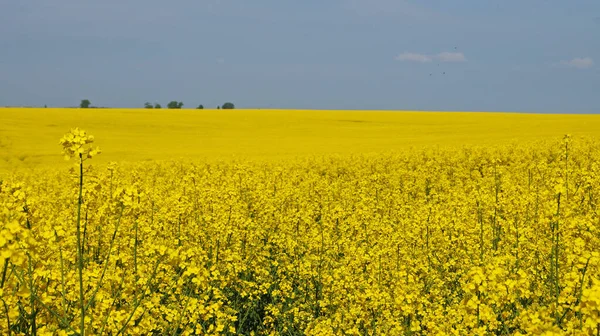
(28, 137)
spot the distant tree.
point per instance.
(175, 105)
(157, 106)
(148, 106)
(45, 106)
(228, 106)
(200, 107)
(85, 103)
(218, 107)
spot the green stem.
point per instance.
(135, 267)
(116, 297)
(135, 244)
(62, 280)
(181, 313)
(137, 304)
(4, 273)
(7, 317)
(62, 322)
(84, 239)
(93, 296)
(33, 313)
(556, 260)
(79, 252)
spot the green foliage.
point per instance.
(200, 107)
(157, 106)
(148, 106)
(85, 103)
(174, 105)
(228, 106)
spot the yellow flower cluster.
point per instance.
(76, 144)
(457, 241)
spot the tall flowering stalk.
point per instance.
(77, 144)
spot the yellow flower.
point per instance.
(77, 143)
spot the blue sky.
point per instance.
(493, 55)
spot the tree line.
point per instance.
(85, 103)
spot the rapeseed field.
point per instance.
(299, 223)
(28, 136)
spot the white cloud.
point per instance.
(579, 62)
(413, 57)
(451, 57)
(445, 56)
